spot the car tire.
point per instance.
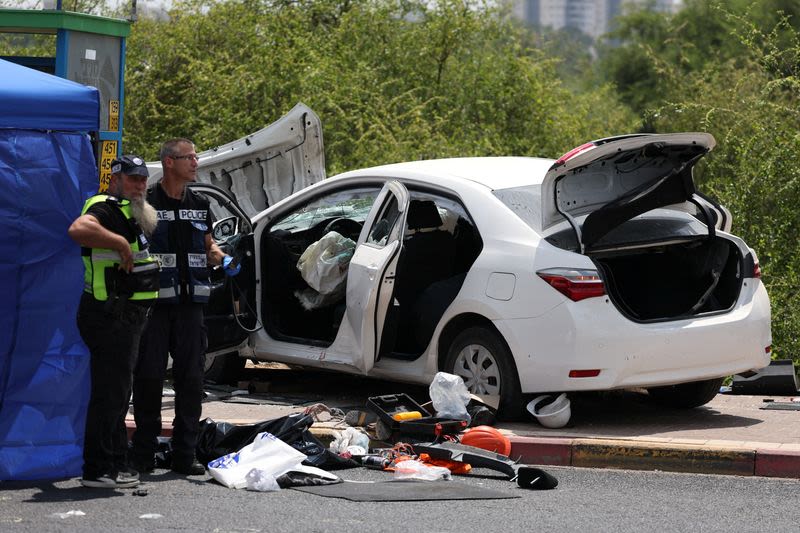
(225, 368)
(686, 395)
(481, 351)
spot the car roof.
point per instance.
(492, 172)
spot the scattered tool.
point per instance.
(527, 477)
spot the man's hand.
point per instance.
(230, 267)
(126, 257)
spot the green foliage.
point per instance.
(751, 104)
(391, 80)
(30, 45)
(703, 33)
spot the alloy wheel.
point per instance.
(478, 368)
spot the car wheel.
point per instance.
(686, 395)
(480, 357)
(225, 368)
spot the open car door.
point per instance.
(231, 308)
(371, 275)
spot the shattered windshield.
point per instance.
(354, 204)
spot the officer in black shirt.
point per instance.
(120, 285)
(182, 242)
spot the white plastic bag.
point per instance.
(266, 453)
(261, 481)
(413, 469)
(449, 396)
(324, 263)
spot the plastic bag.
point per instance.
(266, 453)
(350, 440)
(221, 438)
(261, 481)
(449, 396)
(324, 263)
(413, 469)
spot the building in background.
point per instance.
(591, 17)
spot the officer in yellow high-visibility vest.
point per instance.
(121, 283)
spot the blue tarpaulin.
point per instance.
(47, 170)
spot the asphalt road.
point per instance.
(585, 500)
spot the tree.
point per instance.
(752, 107)
(391, 79)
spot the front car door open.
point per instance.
(231, 307)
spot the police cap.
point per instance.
(130, 164)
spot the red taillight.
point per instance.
(572, 153)
(573, 283)
(756, 270)
(593, 373)
(768, 349)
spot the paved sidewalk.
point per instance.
(730, 435)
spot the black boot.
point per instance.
(188, 466)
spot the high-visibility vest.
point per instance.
(102, 275)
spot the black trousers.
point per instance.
(112, 337)
(177, 330)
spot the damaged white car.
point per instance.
(605, 269)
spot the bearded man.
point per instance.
(121, 281)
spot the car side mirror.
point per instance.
(224, 229)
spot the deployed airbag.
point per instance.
(323, 266)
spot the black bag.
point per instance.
(221, 438)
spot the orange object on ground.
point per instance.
(456, 467)
(487, 438)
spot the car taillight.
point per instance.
(575, 284)
(756, 270)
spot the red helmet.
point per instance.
(487, 438)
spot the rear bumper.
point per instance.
(592, 334)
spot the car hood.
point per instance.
(615, 179)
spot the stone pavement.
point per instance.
(618, 429)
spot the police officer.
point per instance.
(182, 242)
(120, 285)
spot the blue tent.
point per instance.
(47, 170)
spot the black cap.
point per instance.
(130, 164)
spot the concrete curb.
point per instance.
(627, 454)
(668, 457)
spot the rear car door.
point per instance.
(371, 275)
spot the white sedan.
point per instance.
(604, 269)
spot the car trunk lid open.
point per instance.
(632, 207)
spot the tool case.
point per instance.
(426, 428)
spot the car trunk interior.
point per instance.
(673, 281)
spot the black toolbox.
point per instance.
(427, 428)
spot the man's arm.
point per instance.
(87, 231)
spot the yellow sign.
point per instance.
(113, 115)
(108, 152)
